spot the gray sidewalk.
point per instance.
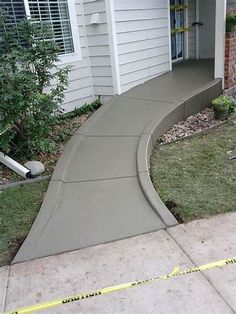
(139, 257)
(95, 194)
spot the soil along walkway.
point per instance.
(95, 195)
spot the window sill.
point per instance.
(68, 58)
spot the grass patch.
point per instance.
(194, 177)
(19, 207)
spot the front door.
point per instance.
(177, 27)
(206, 44)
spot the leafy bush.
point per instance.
(230, 21)
(31, 87)
(224, 103)
(86, 108)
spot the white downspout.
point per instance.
(15, 166)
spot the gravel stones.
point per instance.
(193, 124)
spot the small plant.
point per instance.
(86, 108)
(31, 87)
(223, 107)
(230, 21)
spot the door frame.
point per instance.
(185, 37)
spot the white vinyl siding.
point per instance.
(231, 4)
(99, 50)
(80, 89)
(142, 40)
(192, 31)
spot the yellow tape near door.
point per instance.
(175, 273)
(180, 30)
(179, 7)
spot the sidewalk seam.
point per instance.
(6, 290)
(150, 100)
(203, 274)
(95, 180)
(115, 135)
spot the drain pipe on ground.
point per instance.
(15, 166)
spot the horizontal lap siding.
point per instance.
(142, 40)
(80, 88)
(99, 50)
(192, 32)
(231, 4)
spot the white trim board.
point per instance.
(186, 34)
(197, 29)
(111, 28)
(76, 56)
(220, 38)
(169, 24)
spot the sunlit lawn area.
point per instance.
(195, 177)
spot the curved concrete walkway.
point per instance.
(100, 190)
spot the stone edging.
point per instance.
(191, 105)
(28, 181)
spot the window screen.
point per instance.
(54, 12)
(15, 10)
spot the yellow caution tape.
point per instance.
(179, 7)
(176, 272)
(180, 30)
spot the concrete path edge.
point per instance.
(191, 105)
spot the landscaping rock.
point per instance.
(35, 167)
(193, 124)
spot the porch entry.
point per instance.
(177, 21)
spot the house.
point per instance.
(114, 45)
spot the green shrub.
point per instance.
(31, 87)
(86, 108)
(230, 21)
(224, 103)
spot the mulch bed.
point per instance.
(61, 134)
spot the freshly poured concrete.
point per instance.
(95, 194)
(95, 210)
(185, 79)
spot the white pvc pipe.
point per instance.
(15, 166)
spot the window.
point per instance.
(59, 14)
(15, 9)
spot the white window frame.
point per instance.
(76, 55)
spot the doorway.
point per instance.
(206, 31)
(177, 22)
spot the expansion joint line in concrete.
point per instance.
(94, 180)
(101, 136)
(6, 290)
(202, 274)
(150, 100)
